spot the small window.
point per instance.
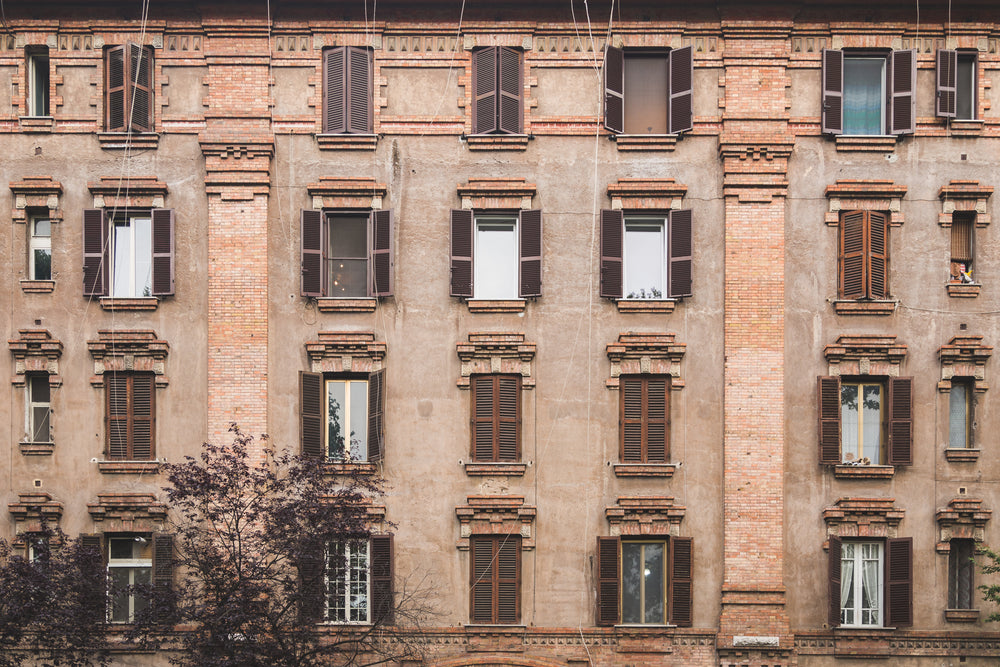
(342, 416)
(38, 80)
(866, 421)
(864, 255)
(869, 93)
(960, 423)
(130, 416)
(496, 255)
(963, 229)
(39, 408)
(40, 249)
(130, 565)
(496, 417)
(645, 419)
(961, 567)
(348, 90)
(648, 92)
(495, 579)
(498, 83)
(871, 582)
(644, 581)
(957, 84)
(646, 256)
(347, 254)
(128, 88)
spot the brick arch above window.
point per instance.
(496, 515)
(646, 354)
(490, 353)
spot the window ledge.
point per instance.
(846, 471)
(328, 305)
(963, 290)
(140, 303)
(645, 142)
(644, 469)
(965, 128)
(122, 140)
(497, 142)
(866, 143)
(646, 306)
(956, 455)
(36, 123)
(847, 307)
(961, 615)
(484, 468)
(347, 142)
(496, 305)
(128, 467)
(37, 286)
(37, 448)
(364, 468)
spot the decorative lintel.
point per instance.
(963, 518)
(35, 351)
(34, 511)
(965, 196)
(128, 512)
(863, 517)
(645, 515)
(496, 353)
(496, 193)
(635, 354)
(133, 192)
(496, 515)
(346, 352)
(128, 350)
(36, 192)
(964, 356)
(345, 193)
(647, 194)
(865, 355)
(865, 195)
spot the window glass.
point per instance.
(130, 565)
(646, 93)
(966, 89)
(864, 95)
(40, 250)
(959, 415)
(132, 257)
(38, 81)
(861, 583)
(861, 422)
(962, 230)
(496, 258)
(348, 256)
(644, 239)
(643, 579)
(347, 419)
(960, 571)
(347, 582)
(38, 408)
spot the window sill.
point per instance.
(646, 306)
(37, 286)
(845, 471)
(497, 142)
(645, 142)
(37, 448)
(36, 123)
(346, 142)
(495, 468)
(844, 307)
(961, 455)
(140, 303)
(961, 615)
(328, 305)
(122, 140)
(866, 143)
(128, 467)
(644, 469)
(363, 468)
(965, 128)
(497, 305)
(963, 290)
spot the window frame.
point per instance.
(313, 418)
(897, 420)
(678, 593)
(136, 256)
(863, 255)
(528, 235)
(895, 585)
(497, 95)
(961, 557)
(31, 405)
(678, 260)
(345, 585)
(348, 380)
(678, 106)
(898, 104)
(348, 90)
(128, 94)
(649, 451)
(489, 400)
(38, 81)
(98, 269)
(948, 91)
(490, 556)
(962, 232)
(134, 387)
(131, 565)
(315, 251)
(37, 242)
(968, 417)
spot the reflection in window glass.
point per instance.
(861, 423)
(39, 408)
(347, 582)
(864, 95)
(40, 250)
(496, 258)
(959, 414)
(644, 252)
(347, 419)
(965, 99)
(643, 579)
(348, 256)
(130, 564)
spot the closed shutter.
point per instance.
(117, 416)
(312, 586)
(508, 579)
(681, 257)
(359, 90)
(631, 420)
(139, 94)
(95, 252)
(681, 561)
(657, 404)
(612, 239)
(382, 253)
(382, 557)
(833, 91)
(376, 415)
(899, 582)
(143, 417)
(163, 252)
(530, 249)
(335, 90)
(828, 409)
(485, 94)
(163, 577)
(115, 78)
(852, 254)
(92, 586)
(946, 103)
(903, 68)
(900, 421)
(483, 418)
(833, 582)
(508, 417)
(614, 89)
(461, 253)
(608, 581)
(482, 576)
(681, 109)
(311, 414)
(313, 245)
(511, 87)
(878, 254)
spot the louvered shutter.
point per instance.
(852, 255)
(680, 109)
(461, 253)
(903, 68)
(899, 582)
(143, 417)
(335, 90)
(612, 239)
(614, 89)
(657, 406)
(681, 256)
(312, 586)
(376, 415)
(508, 579)
(900, 421)
(833, 582)
(311, 415)
(382, 557)
(163, 577)
(508, 417)
(681, 562)
(163, 252)
(484, 418)
(115, 86)
(482, 575)
(139, 91)
(92, 586)
(608, 581)
(828, 409)
(117, 416)
(313, 244)
(95, 253)
(485, 93)
(359, 90)
(530, 249)
(946, 102)
(382, 253)
(631, 420)
(878, 254)
(511, 87)
(833, 91)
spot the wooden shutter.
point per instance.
(335, 90)
(376, 415)
(139, 88)
(828, 409)
(680, 108)
(963, 238)
(382, 253)
(511, 87)
(852, 254)
(833, 583)
(143, 417)
(92, 587)
(657, 406)
(508, 579)
(681, 562)
(382, 558)
(95, 252)
(116, 421)
(163, 577)
(508, 417)
(311, 414)
(530, 249)
(630, 420)
(461, 253)
(484, 417)
(608, 581)
(360, 115)
(313, 247)
(612, 240)
(163, 251)
(485, 93)
(681, 258)
(946, 101)
(900, 421)
(903, 68)
(312, 585)
(481, 582)
(614, 89)
(878, 254)
(115, 78)
(899, 582)
(833, 92)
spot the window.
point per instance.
(130, 565)
(128, 254)
(867, 421)
(644, 580)
(496, 255)
(496, 417)
(342, 417)
(960, 424)
(961, 566)
(648, 92)
(956, 84)
(38, 80)
(871, 583)
(869, 93)
(40, 249)
(645, 419)
(497, 83)
(963, 227)
(359, 580)
(646, 256)
(864, 255)
(347, 90)
(39, 408)
(130, 416)
(495, 579)
(347, 254)
(128, 88)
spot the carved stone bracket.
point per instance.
(641, 354)
(863, 517)
(964, 356)
(134, 192)
(661, 194)
(345, 352)
(963, 518)
(496, 193)
(347, 193)
(36, 192)
(496, 353)
(645, 515)
(35, 351)
(865, 195)
(128, 513)
(966, 196)
(865, 355)
(496, 515)
(128, 350)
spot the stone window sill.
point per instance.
(846, 307)
(844, 471)
(645, 142)
(644, 469)
(963, 290)
(965, 128)
(37, 448)
(497, 142)
(866, 143)
(496, 305)
(646, 306)
(122, 140)
(128, 467)
(36, 123)
(362, 305)
(961, 455)
(37, 286)
(492, 468)
(961, 615)
(364, 468)
(347, 142)
(140, 303)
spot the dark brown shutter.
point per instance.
(612, 240)
(852, 254)
(681, 109)
(481, 580)
(878, 254)
(833, 92)
(335, 90)
(139, 91)
(511, 87)
(614, 89)
(899, 582)
(828, 409)
(900, 421)
(382, 260)
(93, 582)
(508, 417)
(484, 417)
(530, 250)
(608, 581)
(163, 576)
(376, 415)
(116, 421)
(461, 253)
(680, 235)
(312, 587)
(311, 416)
(382, 577)
(946, 103)
(359, 91)
(114, 89)
(630, 420)
(163, 251)
(657, 405)
(313, 246)
(681, 562)
(485, 93)
(508, 579)
(644, 419)
(903, 68)
(143, 417)
(95, 252)
(833, 583)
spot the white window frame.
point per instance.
(31, 405)
(882, 128)
(350, 454)
(132, 565)
(128, 274)
(480, 251)
(860, 453)
(664, 584)
(38, 101)
(967, 58)
(855, 583)
(340, 614)
(630, 290)
(38, 242)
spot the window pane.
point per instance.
(359, 581)
(495, 259)
(42, 228)
(872, 422)
(336, 403)
(632, 575)
(120, 598)
(965, 99)
(646, 94)
(348, 256)
(358, 421)
(644, 260)
(348, 277)
(847, 584)
(40, 388)
(849, 422)
(653, 583)
(958, 416)
(40, 424)
(38, 92)
(121, 282)
(864, 95)
(41, 264)
(121, 549)
(143, 285)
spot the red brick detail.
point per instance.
(865, 195)
(345, 352)
(496, 353)
(645, 515)
(128, 192)
(660, 194)
(865, 355)
(496, 193)
(496, 515)
(963, 518)
(640, 354)
(36, 192)
(964, 356)
(128, 513)
(347, 193)
(33, 511)
(35, 350)
(965, 196)
(128, 350)
(863, 517)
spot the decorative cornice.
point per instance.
(496, 193)
(346, 352)
(133, 192)
(963, 518)
(865, 195)
(347, 193)
(128, 512)
(128, 350)
(35, 350)
(496, 353)
(863, 517)
(645, 515)
(496, 515)
(646, 194)
(36, 192)
(638, 354)
(964, 356)
(865, 355)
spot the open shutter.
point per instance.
(95, 255)
(376, 415)
(139, 92)
(143, 416)
(116, 420)
(878, 254)
(833, 91)
(313, 266)
(382, 577)
(481, 579)
(946, 101)
(311, 415)
(680, 254)
(163, 577)
(899, 582)
(680, 581)
(530, 231)
(511, 86)
(852, 254)
(614, 89)
(359, 90)
(681, 110)
(461, 253)
(833, 560)
(657, 405)
(382, 261)
(903, 68)
(92, 586)
(608, 581)
(335, 90)
(163, 251)
(508, 417)
(311, 585)
(630, 420)
(828, 409)
(900, 421)
(508, 579)
(612, 239)
(483, 418)
(485, 93)
(114, 89)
